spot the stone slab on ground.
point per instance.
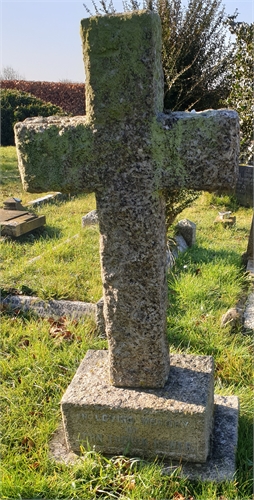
(45, 199)
(174, 421)
(50, 308)
(16, 223)
(248, 315)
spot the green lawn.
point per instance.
(37, 365)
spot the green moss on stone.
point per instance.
(121, 60)
(59, 156)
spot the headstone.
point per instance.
(248, 256)
(187, 230)
(245, 186)
(126, 150)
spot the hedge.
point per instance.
(69, 96)
(16, 106)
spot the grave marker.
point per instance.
(15, 220)
(126, 151)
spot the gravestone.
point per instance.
(245, 186)
(15, 220)
(248, 256)
(128, 400)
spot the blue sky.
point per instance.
(41, 40)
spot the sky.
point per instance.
(41, 40)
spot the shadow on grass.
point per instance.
(42, 233)
(201, 255)
(244, 454)
(180, 333)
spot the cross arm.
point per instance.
(56, 153)
(197, 150)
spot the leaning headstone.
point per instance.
(187, 230)
(126, 150)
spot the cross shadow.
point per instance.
(184, 385)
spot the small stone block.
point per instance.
(90, 218)
(230, 221)
(13, 204)
(175, 421)
(187, 229)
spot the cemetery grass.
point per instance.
(39, 357)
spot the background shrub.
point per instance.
(16, 106)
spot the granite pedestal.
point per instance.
(174, 421)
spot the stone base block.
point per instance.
(173, 422)
(220, 465)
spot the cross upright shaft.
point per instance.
(127, 150)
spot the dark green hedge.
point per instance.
(16, 106)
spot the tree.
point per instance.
(242, 85)
(10, 74)
(196, 55)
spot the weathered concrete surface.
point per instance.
(50, 308)
(48, 198)
(220, 465)
(248, 315)
(15, 223)
(90, 218)
(175, 421)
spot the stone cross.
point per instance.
(127, 151)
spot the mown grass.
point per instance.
(37, 365)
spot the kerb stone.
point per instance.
(174, 421)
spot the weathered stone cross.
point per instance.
(126, 151)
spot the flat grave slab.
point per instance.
(15, 220)
(15, 223)
(173, 421)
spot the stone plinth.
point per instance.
(175, 421)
